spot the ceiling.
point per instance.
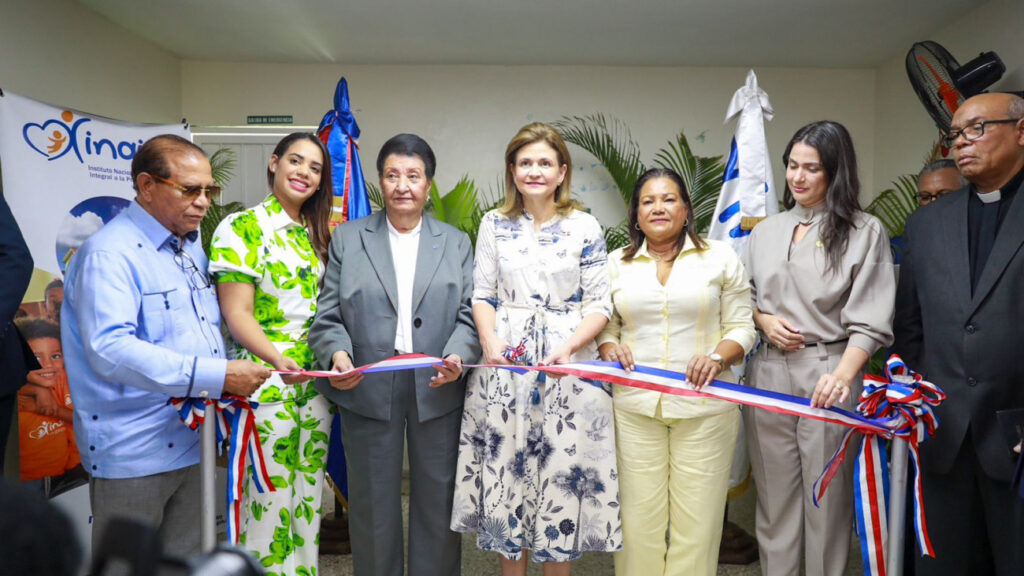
(790, 33)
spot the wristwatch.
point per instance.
(716, 357)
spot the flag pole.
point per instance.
(207, 470)
(897, 507)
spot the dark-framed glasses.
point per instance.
(926, 197)
(191, 192)
(973, 131)
(196, 277)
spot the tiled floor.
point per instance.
(478, 563)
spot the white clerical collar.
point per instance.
(990, 197)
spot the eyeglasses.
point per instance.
(973, 131)
(198, 280)
(926, 197)
(191, 192)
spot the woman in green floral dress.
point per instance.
(267, 262)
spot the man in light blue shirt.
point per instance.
(140, 326)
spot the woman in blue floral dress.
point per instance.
(267, 262)
(537, 453)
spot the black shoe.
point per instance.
(737, 546)
(334, 547)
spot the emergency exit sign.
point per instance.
(269, 119)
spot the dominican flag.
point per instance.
(748, 191)
(340, 133)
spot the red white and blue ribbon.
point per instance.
(899, 405)
(667, 381)
(907, 401)
(235, 419)
(515, 354)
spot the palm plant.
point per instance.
(376, 197)
(458, 207)
(702, 175)
(222, 165)
(612, 144)
(608, 141)
(894, 205)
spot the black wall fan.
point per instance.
(943, 84)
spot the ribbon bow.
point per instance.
(234, 419)
(907, 402)
(516, 354)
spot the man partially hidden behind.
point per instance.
(959, 311)
(938, 179)
(141, 326)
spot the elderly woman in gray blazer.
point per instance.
(399, 281)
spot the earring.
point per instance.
(637, 226)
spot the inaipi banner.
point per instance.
(65, 174)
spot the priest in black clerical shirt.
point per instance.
(960, 323)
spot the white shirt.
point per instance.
(404, 250)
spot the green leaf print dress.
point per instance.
(264, 247)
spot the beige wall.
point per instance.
(62, 53)
(468, 113)
(905, 131)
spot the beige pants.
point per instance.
(787, 454)
(673, 475)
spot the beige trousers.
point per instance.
(787, 454)
(674, 476)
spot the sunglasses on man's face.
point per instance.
(212, 192)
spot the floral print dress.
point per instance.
(537, 455)
(263, 246)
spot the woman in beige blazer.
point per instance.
(823, 287)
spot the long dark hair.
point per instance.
(317, 208)
(636, 235)
(838, 159)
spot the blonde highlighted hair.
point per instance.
(529, 134)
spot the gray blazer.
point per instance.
(357, 312)
(967, 344)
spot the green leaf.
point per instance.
(222, 165)
(894, 205)
(611, 143)
(702, 176)
(434, 205)
(376, 197)
(278, 481)
(617, 236)
(214, 214)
